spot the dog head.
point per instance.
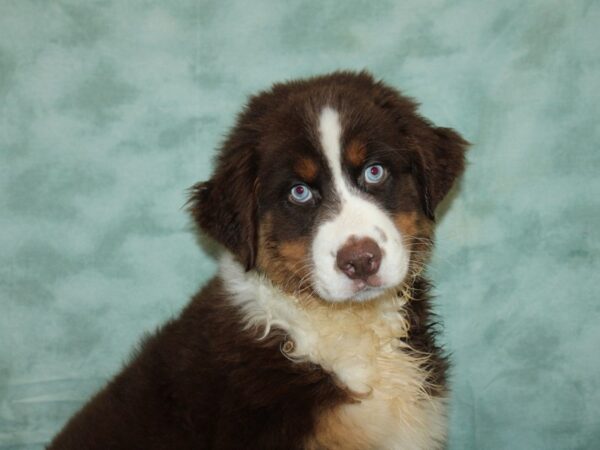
(328, 186)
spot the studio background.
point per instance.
(110, 110)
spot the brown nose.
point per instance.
(359, 258)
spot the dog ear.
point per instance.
(439, 161)
(225, 207)
(438, 152)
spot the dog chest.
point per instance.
(393, 409)
(362, 346)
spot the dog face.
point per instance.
(328, 186)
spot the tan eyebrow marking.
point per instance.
(356, 152)
(307, 169)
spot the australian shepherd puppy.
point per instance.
(316, 331)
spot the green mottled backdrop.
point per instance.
(109, 110)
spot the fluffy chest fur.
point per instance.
(362, 346)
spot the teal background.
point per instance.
(110, 110)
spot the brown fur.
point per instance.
(417, 230)
(332, 433)
(205, 380)
(356, 152)
(284, 262)
(307, 169)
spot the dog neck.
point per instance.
(344, 338)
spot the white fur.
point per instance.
(358, 217)
(358, 343)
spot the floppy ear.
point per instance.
(225, 206)
(439, 161)
(438, 152)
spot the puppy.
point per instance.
(316, 332)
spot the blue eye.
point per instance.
(374, 174)
(301, 194)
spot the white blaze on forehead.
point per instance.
(330, 130)
(357, 217)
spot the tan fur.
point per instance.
(286, 263)
(307, 169)
(414, 224)
(358, 343)
(417, 231)
(356, 152)
(408, 223)
(294, 250)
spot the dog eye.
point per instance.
(301, 194)
(374, 174)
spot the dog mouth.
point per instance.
(367, 292)
(359, 290)
(368, 284)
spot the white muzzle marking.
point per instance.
(357, 218)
